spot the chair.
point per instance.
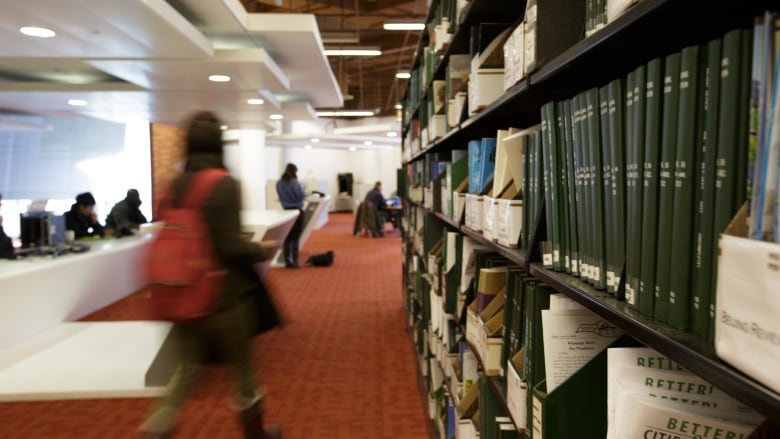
(368, 219)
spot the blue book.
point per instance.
(487, 162)
(475, 154)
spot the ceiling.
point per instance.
(150, 59)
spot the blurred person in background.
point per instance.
(291, 195)
(230, 329)
(82, 218)
(125, 217)
(6, 245)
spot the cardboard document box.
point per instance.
(517, 392)
(489, 206)
(437, 127)
(510, 222)
(474, 212)
(747, 304)
(485, 86)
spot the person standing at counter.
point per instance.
(126, 217)
(82, 218)
(291, 195)
(229, 330)
(6, 245)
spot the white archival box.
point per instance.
(747, 327)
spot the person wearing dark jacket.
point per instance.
(126, 217)
(291, 195)
(236, 320)
(82, 219)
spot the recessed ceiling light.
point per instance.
(352, 148)
(77, 102)
(219, 78)
(307, 146)
(404, 26)
(403, 75)
(223, 127)
(352, 52)
(315, 140)
(40, 32)
(255, 101)
(398, 106)
(276, 117)
(346, 113)
(392, 134)
(368, 143)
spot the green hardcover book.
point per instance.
(634, 193)
(666, 185)
(539, 300)
(685, 177)
(550, 202)
(734, 84)
(551, 141)
(597, 191)
(653, 104)
(704, 235)
(580, 144)
(489, 408)
(571, 181)
(630, 296)
(561, 184)
(606, 175)
(510, 294)
(579, 185)
(743, 128)
(618, 189)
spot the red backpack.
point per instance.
(184, 277)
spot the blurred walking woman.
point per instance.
(229, 330)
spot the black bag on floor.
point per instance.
(321, 260)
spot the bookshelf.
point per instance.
(649, 29)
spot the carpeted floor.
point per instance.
(342, 366)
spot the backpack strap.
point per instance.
(201, 186)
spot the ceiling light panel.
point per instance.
(404, 26)
(353, 52)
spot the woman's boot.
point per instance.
(252, 423)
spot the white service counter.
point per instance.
(39, 292)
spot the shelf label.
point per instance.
(547, 260)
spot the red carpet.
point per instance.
(342, 366)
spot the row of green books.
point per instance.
(641, 176)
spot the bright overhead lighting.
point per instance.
(398, 106)
(315, 140)
(40, 32)
(219, 78)
(352, 148)
(345, 113)
(255, 101)
(392, 134)
(307, 146)
(77, 102)
(403, 75)
(368, 143)
(223, 127)
(276, 117)
(404, 26)
(352, 52)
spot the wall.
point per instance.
(168, 149)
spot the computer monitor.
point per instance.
(40, 229)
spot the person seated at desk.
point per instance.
(6, 245)
(125, 217)
(82, 218)
(375, 197)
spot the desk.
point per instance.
(41, 292)
(394, 214)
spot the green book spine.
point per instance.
(606, 174)
(631, 297)
(653, 104)
(733, 85)
(538, 179)
(563, 188)
(550, 201)
(634, 159)
(571, 182)
(618, 189)
(704, 237)
(525, 232)
(597, 191)
(666, 185)
(743, 133)
(555, 187)
(685, 175)
(581, 142)
(509, 305)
